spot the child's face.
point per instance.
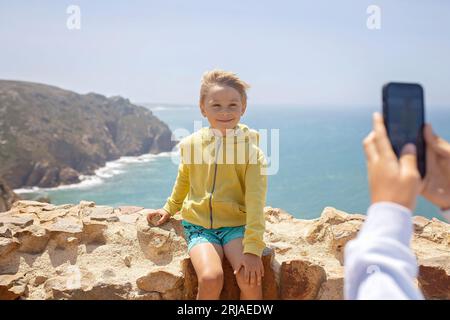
(223, 107)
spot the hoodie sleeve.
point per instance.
(255, 199)
(181, 187)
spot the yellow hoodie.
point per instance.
(222, 182)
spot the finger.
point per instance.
(370, 148)
(150, 215)
(432, 170)
(408, 161)
(162, 219)
(381, 138)
(428, 134)
(258, 277)
(252, 278)
(429, 148)
(246, 275)
(438, 144)
(237, 269)
(442, 147)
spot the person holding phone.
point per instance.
(379, 263)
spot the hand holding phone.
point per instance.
(404, 118)
(390, 179)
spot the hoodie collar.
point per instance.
(240, 130)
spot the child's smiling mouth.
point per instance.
(225, 121)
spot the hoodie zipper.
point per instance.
(214, 183)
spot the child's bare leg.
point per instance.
(207, 261)
(234, 251)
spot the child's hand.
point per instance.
(157, 217)
(253, 269)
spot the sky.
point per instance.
(291, 52)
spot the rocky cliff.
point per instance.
(7, 196)
(86, 251)
(49, 136)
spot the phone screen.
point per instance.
(403, 111)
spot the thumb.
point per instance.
(162, 218)
(408, 160)
(238, 268)
(428, 134)
(151, 217)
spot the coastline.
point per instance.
(111, 169)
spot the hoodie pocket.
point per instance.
(228, 210)
(242, 210)
(196, 207)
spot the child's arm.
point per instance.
(255, 198)
(182, 183)
(179, 191)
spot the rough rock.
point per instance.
(7, 245)
(300, 280)
(86, 251)
(434, 277)
(12, 286)
(168, 282)
(53, 136)
(7, 196)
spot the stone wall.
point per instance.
(86, 251)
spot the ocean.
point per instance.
(321, 161)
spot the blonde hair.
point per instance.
(223, 78)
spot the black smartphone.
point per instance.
(404, 118)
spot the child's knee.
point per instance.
(211, 280)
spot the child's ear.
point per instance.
(202, 110)
(244, 107)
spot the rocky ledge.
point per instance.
(50, 136)
(7, 196)
(86, 251)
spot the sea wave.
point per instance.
(109, 170)
(85, 183)
(165, 108)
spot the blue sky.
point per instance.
(291, 52)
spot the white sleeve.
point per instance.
(379, 263)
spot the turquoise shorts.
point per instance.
(197, 234)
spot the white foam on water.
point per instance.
(159, 108)
(109, 170)
(85, 183)
(27, 190)
(166, 108)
